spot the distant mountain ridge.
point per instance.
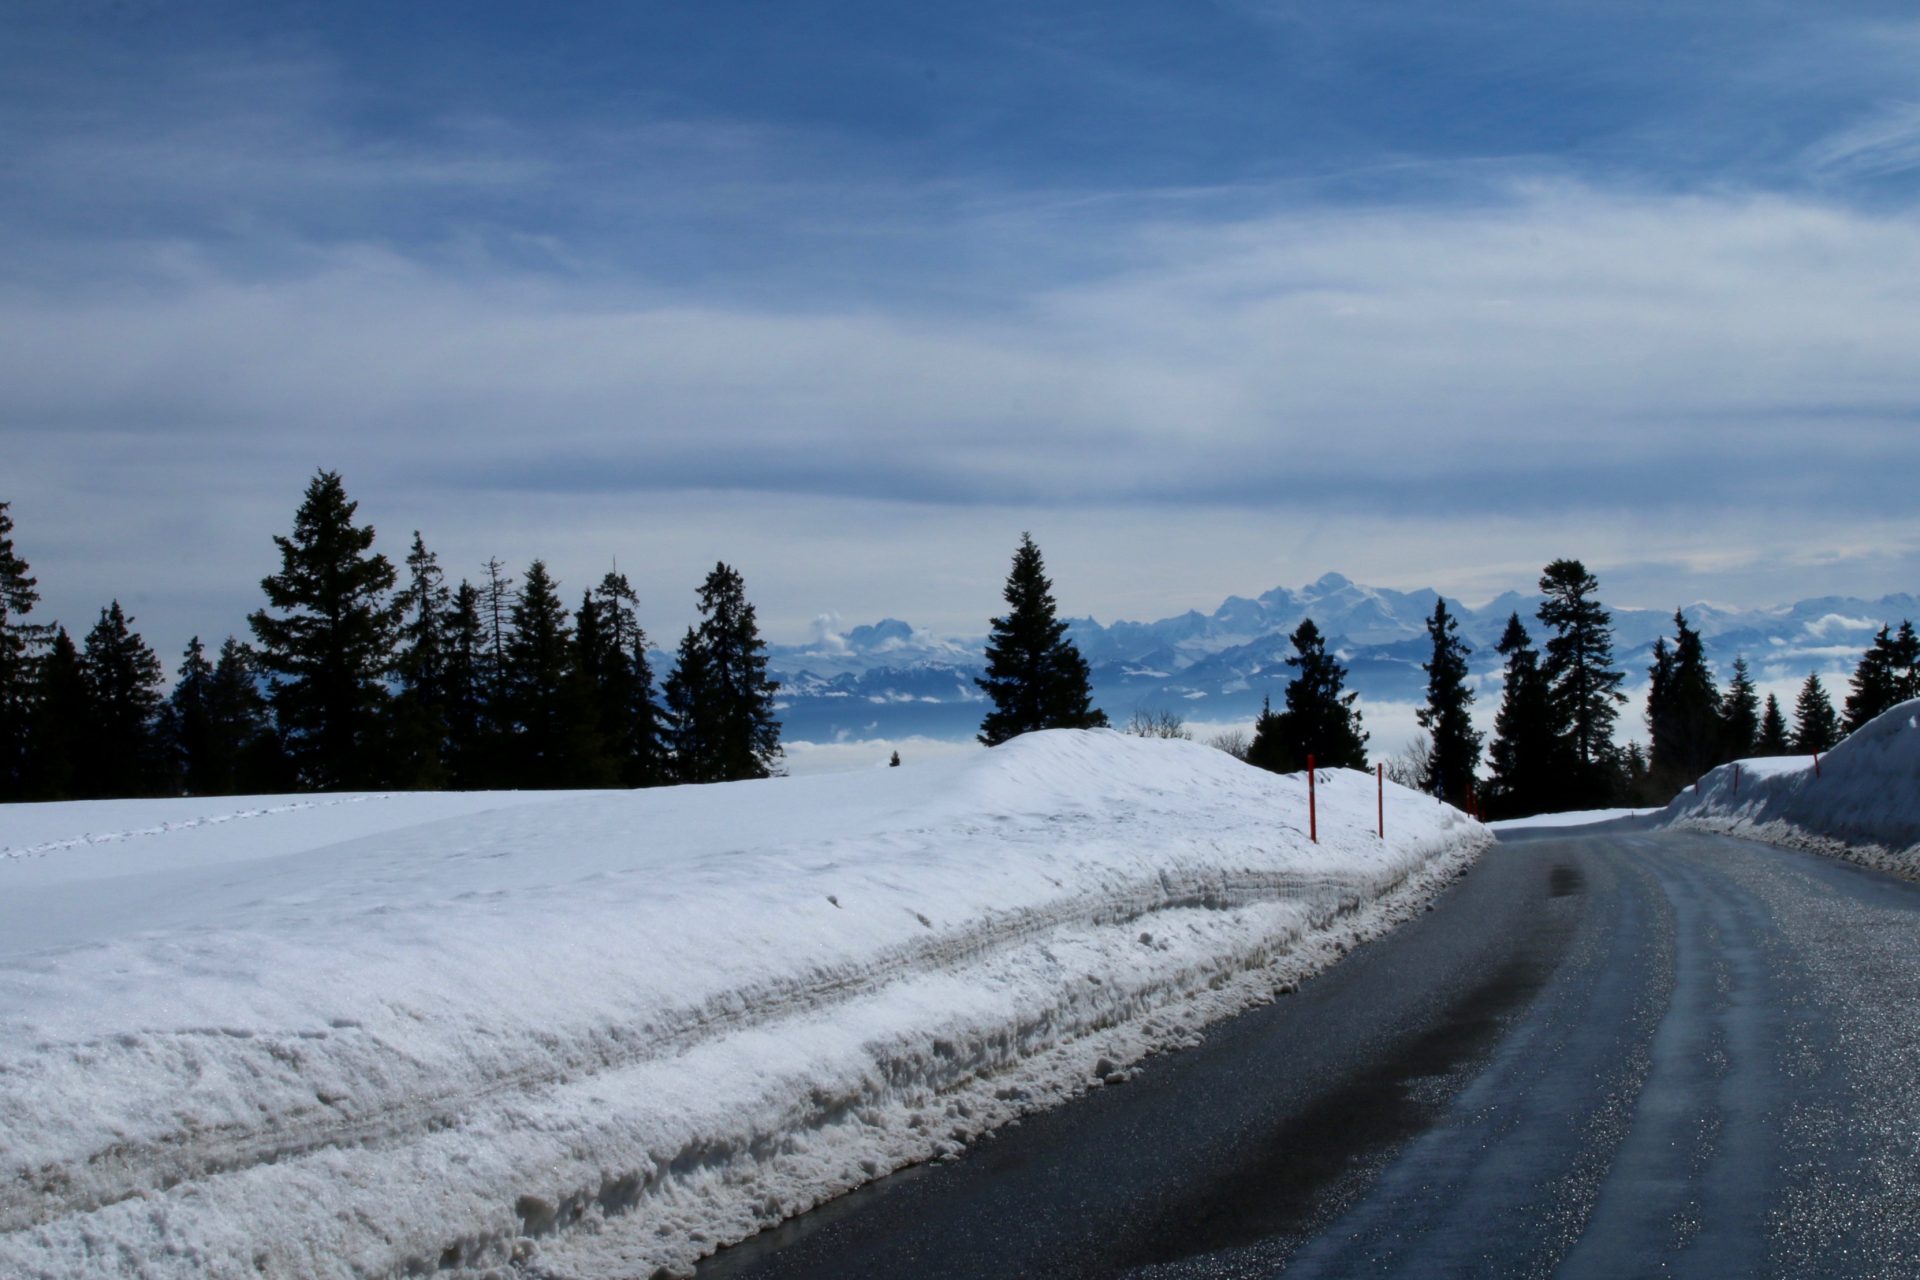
(890, 679)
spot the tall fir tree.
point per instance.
(1321, 719)
(246, 754)
(1584, 687)
(469, 755)
(1036, 677)
(622, 684)
(721, 707)
(1905, 663)
(57, 766)
(1683, 710)
(1454, 762)
(1873, 687)
(1527, 753)
(419, 716)
(1739, 714)
(187, 722)
(1815, 726)
(553, 743)
(123, 751)
(327, 639)
(20, 642)
(1773, 738)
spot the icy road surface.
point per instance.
(1619, 1054)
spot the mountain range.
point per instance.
(892, 680)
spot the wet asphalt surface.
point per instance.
(1628, 1054)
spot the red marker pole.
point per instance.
(1313, 806)
(1380, 792)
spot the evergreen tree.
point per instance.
(469, 758)
(1683, 710)
(1584, 687)
(1773, 739)
(1527, 752)
(1036, 677)
(331, 647)
(60, 711)
(420, 711)
(622, 683)
(1875, 686)
(553, 744)
(1816, 727)
(1638, 781)
(123, 750)
(1904, 662)
(19, 641)
(721, 707)
(1740, 715)
(1320, 720)
(244, 755)
(187, 723)
(1455, 756)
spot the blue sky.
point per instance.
(1210, 297)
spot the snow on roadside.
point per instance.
(606, 1033)
(1571, 818)
(1862, 804)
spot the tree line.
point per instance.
(358, 676)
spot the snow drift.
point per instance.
(1862, 804)
(609, 1032)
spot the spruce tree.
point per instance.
(420, 710)
(1036, 677)
(1773, 739)
(553, 742)
(186, 720)
(1527, 753)
(466, 686)
(722, 705)
(1875, 686)
(622, 683)
(1448, 716)
(123, 750)
(331, 645)
(57, 767)
(1584, 687)
(19, 642)
(1904, 663)
(1683, 710)
(1816, 727)
(245, 757)
(1740, 714)
(1320, 720)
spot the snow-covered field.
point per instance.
(604, 1033)
(1863, 803)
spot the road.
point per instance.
(1617, 1054)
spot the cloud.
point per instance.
(1883, 142)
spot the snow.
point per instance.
(607, 1032)
(1573, 818)
(1863, 803)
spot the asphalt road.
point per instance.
(1623, 1054)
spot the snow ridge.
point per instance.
(524, 1037)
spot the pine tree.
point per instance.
(1904, 662)
(420, 710)
(19, 642)
(1320, 720)
(720, 701)
(1773, 739)
(1740, 715)
(330, 650)
(123, 751)
(552, 744)
(1528, 753)
(469, 754)
(186, 720)
(1036, 677)
(621, 678)
(1683, 710)
(1585, 689)
(60, 711)
(1448, 717)
(1816, 727)
(1875, 686)
(245, 756)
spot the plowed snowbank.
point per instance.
(1863, 803)
(608, 1032)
